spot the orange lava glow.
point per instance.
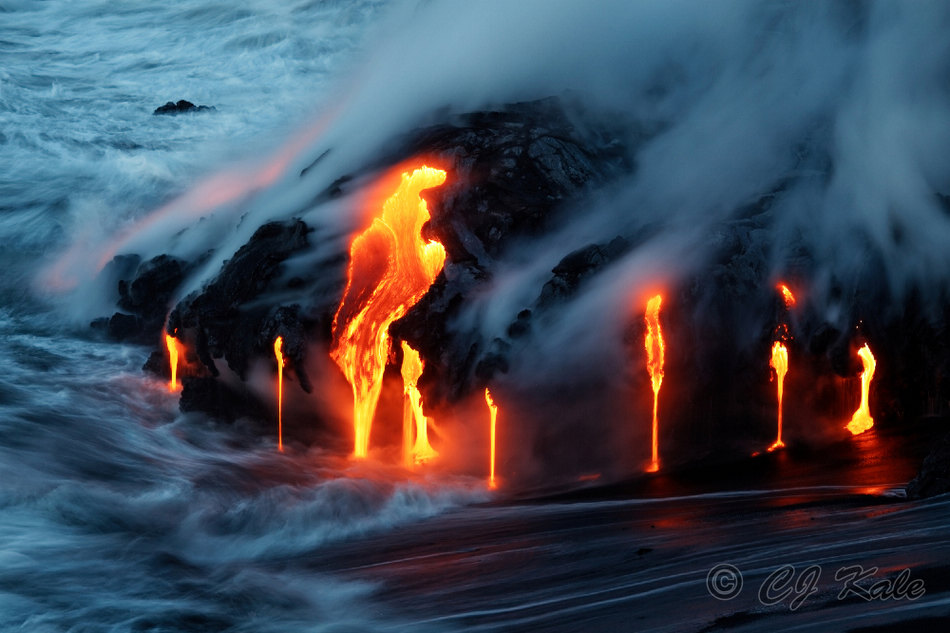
(420, 451)
(174, 350)
(655, 347)
(493, 412)
(779, 362)
(278, 353)
(861, 421)
(391, 268)
(786, 295)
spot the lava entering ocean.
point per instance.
(493, 412)
(171, 343)
(391, 268)
(655, 347)
(418, 451)
(779, 362)
(861, 421)
(278, 353)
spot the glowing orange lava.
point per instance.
(493, 412)
(786, 295)
(861, 421)
(173, 351)
(391, 268)
(655, 350)
(420, 451)
(278, 353)
(779, 362)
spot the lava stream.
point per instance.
(787, 295)
(278, 345)
(655, 350)
(493, 412)
(173, 352)
(390, 269)
(779, 362)
(420, 451)
(861, 421)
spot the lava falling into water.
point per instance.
(861, 421)
(420, 451)
(391, 268)
(779, 363)
(493, 412)
(278, 345)
(655, 350)
(173, 351)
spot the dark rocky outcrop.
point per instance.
(180, 107)
(934, 476)
(223, 320)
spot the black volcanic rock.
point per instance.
(578, 266)
(145, 291)
(180, 107)
(223, 318)
(934, 475)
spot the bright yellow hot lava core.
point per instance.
(861, 421)
(493, 412)
(278, 353)
(391, 268)
(173, 351)
(655, 347)
(420, 451)
(779, 362)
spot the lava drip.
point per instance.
(779, 362)
(281, 362)
(861, 421)
(420, 451)
(493, 412)
(655, 350)
(174, 350)
(391, 268)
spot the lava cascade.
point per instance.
(861, 421)
(493, 413)
(278, 353)
(656, 348)
(391, 267)
(779, 362)
(418, 451)
(174, 350)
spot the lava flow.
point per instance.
(787, 295)
(420, 451)
(493, 412)
(779, 362)
(655, 349)
(173, 351)
(861, 421)
(278, 345)
(391, 268)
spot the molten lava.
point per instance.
(412, 417)
(655, 350)
(391, 268)
(493, 412)
(173, 352)
(861, 421)
(786, 295)
(779, 363)
(278, 345)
